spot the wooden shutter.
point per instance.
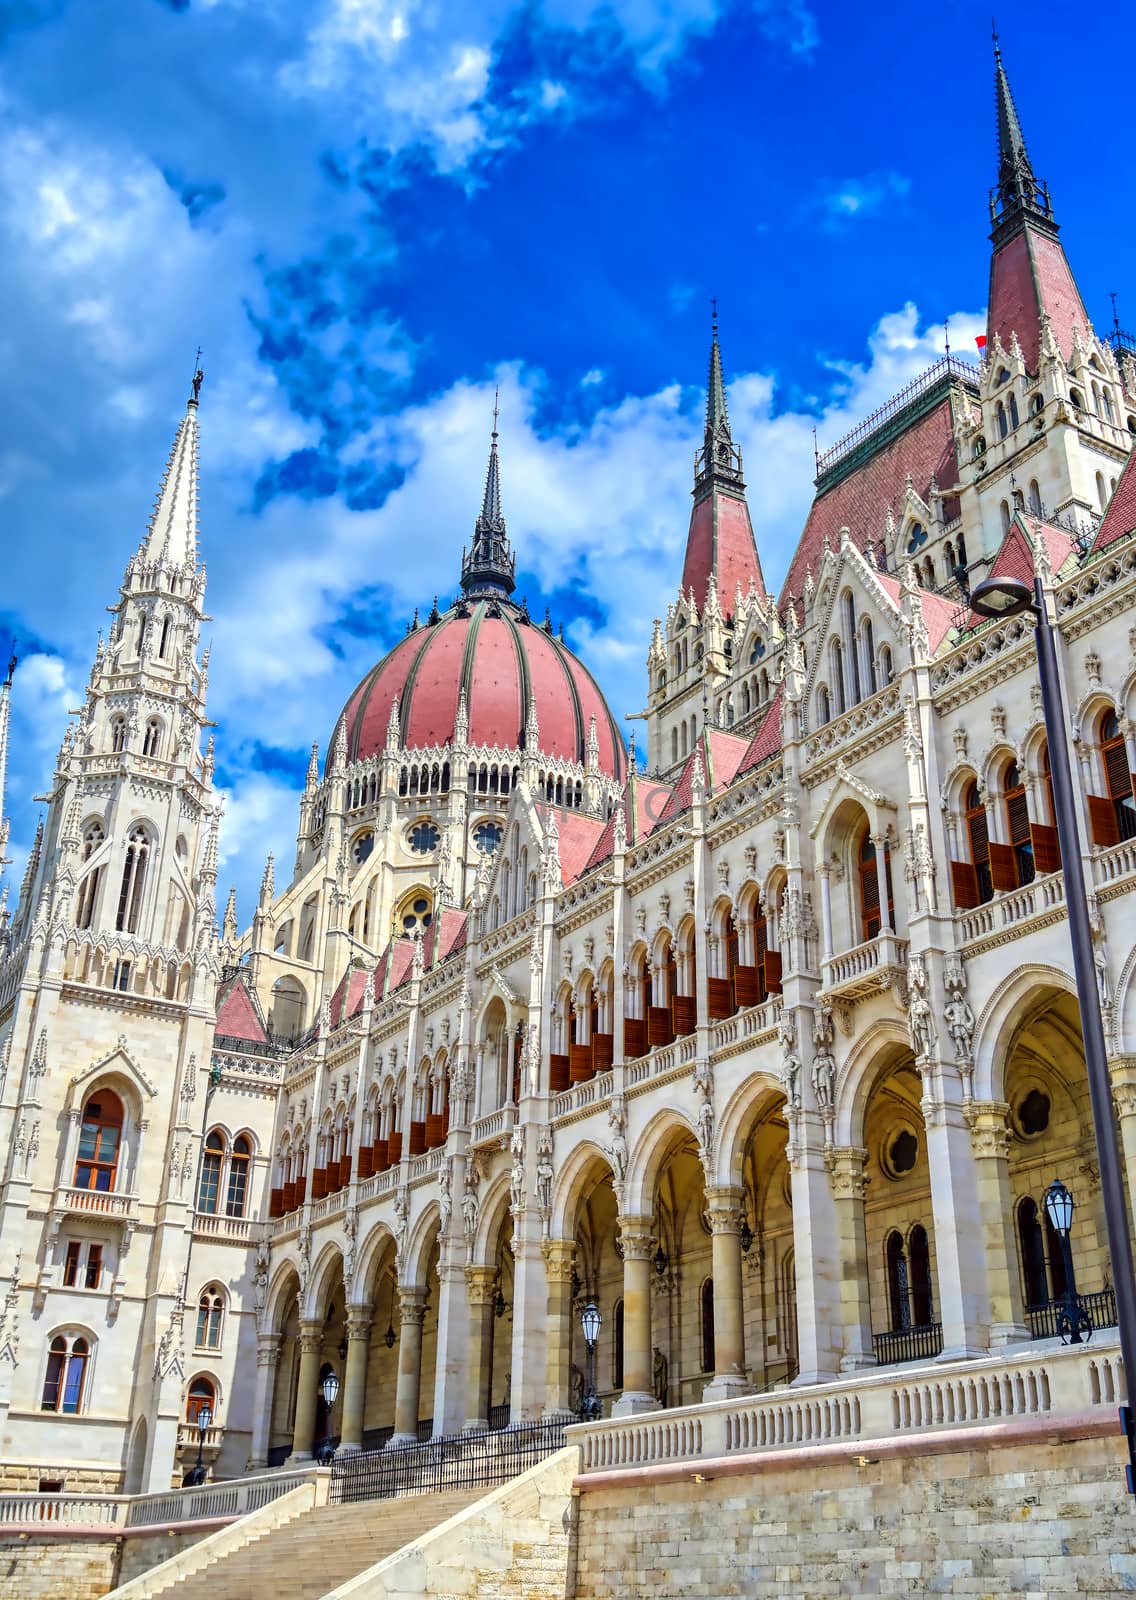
(1116, 770)
(718, 998)
(964, 885)
(773, 972)
(1046, 850)
(1017, 815)
(745, 986)
(1003, 866)
(869, 897)
(1102, 821)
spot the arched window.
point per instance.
(870, 655)
(210, 1316)
(152, 737)
(1077, 398)
(236, 1191)
(899, 1296)
(1012, 402)
(887, 670)
(850, 645)
(1102, 492)
(1000, 417)
(617, 1346)
(133, 881)
(1012, 864)
(1032, 1245)
(870, 920)
(209, 1185)
(1113, 818)
(64, 1382)
(117, 734)
(165, 640)
(707, 1320)
(971, 879)
(89, 887)
(202, 1396)
(1106, 405)
(674, 744)
(824, 706)
(1034, 497)
(1004, 513)
(919, 1265)
(838, 677)
(100, 1139)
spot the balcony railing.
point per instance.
(1100, 1308)
(465, 1460)
(908, 1344)
(99, 1202)
(867, 968)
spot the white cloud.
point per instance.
(842, 202)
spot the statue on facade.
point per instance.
(960, 1026)
(517, 1174)
(617, 1151)
(791, 1064)
(659, 1377)
(445, 1196)
(544, 1172)
(920, 1022)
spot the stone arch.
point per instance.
(746, 1107)
(666, 1130)
(136, 1460)
(493, 1213)
(1002, 1016)
(870, 1060)
(282, 1294)
(377, 1247)
(421, 1241)
(327, 1265)
(583, 1171)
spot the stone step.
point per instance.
(315, 1552)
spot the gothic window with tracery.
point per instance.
(133, 881)
(65, 1379)
(210, 1317)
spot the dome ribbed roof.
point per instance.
(492, 650)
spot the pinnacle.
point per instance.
(172, 535)
(717, 414)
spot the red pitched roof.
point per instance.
(1028, 275)
(767, 740)
(1120, 514)
(1015, 555)
(858, 502)
(720, 541)
(579, 836)
(238, 1016)
(725, 754)
(938, 613)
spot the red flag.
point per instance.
(980, 341)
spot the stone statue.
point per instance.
(824, 1081)
(960, 1025)
(659, 1377)
(470, 1203)
(445, 1196)
(260, 1276)
(517, 1174)
(544, 1171)
(920, 1021)
(790, 1062)
(617, 1151)
(575, 1390)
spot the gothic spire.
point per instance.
(489, 566)
(171, 538)
(1018, 192)
(5, 715)
(719, 460)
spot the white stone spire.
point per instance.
(5, 718)
(172, 535)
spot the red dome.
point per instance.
(501, 659)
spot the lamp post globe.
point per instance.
(1073, 1322)
(1001, 597)
(1059, 1206)
(591, 1322)
(197, 1474)
(329, 1387)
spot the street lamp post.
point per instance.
(591, 1321)
(1072, 1318)
(1006, 597)
(329, 1384)
(197, 1476)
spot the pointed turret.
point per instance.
(720, 543)
(489, 566)
(5, 718)
(1030, 277)
(171, 538)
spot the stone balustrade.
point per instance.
(99, 1202)
(1042, 1378)
(212, 1502)
(237, 1230)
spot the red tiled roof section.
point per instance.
(237, 1014)
(579, 836)
(1015, 555)
(938, 613)
(767, 740)
(501, 661)
(1120, 514)
(720, 540)
(1029, 274)
(926, 450)
(726, 754)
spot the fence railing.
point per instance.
(1029, 1381)
(1045, 1322)
(230, 1498)
(465, 1460)
(908, 1344)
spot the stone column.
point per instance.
(411, 1316)
(725, 1210)
(355, 1379)
(825, 910)
(267, 1360)
(451, 1366)
(311, 1343)
(880, 842)
(480, 1292)
(559, 1263)
(1123, 1072)
(817, 1262)
(990, 1139)
(530, 1304)
(846, 1169)
(638, 1392)
(964, 1303)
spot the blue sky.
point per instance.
(371, 212)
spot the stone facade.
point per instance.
(771, 1051)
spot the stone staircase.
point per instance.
(316, 1551)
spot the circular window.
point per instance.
(487, 836)
(757, 650)
(416, 914)
(1033, 1113)
(362, 846)
(902, 1152)
(423, 838)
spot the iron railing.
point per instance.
(952, 366)
(1100, 1308)
(908, 1344)
(460, 1461)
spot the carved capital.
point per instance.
(268, 1349)
(311, 1338)
(480, 1285)
(990, 1131)
(724, 1209)
(559, 1260)
(358, 1322)
(846, 1165)
(411, 1306)
(637, 1238)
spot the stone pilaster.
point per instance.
(846, 1170)
(411, 1315)
(480, 1290)
(724, 1207)
(267, 1361)
(355, 1379)
(559, 1266)
(638, 1393)
(990, 1139)
(307, 1395)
